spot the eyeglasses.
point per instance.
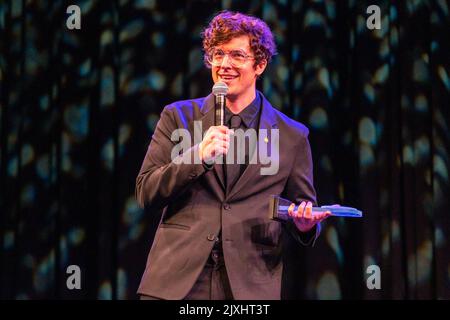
(237, 58)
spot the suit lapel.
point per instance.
(267, 122)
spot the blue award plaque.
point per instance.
(278, 209)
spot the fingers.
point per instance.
(320, 216)
(291, 210)
(220, 144)
(220, 137)
(217, 134)
(215, 143)
(217, 137)
(301, 210)
(222, 129)
(220, 134)
(217, 130)
(308, 210)
(304, 217)
(217, 150)
(304, 212)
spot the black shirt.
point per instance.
(249, 114)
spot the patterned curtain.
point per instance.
(78, 109)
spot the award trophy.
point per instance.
(278, 209)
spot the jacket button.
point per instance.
(226, 206)
(211, 237)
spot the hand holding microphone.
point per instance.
(215, 143)
(217, 139)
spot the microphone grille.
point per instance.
(220, 88)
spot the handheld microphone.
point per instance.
(220, 91)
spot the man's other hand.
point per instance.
(304, 218)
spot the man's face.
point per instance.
(240, 81)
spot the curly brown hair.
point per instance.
(227, 25)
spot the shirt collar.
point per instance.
(248, 114)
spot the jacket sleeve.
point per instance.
(160, 178)
(300, 187)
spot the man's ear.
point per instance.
(259, 69)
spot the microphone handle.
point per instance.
(220, 110)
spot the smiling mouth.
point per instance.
(227, 77)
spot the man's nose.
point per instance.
(225, 62)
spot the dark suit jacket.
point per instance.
(195, 208)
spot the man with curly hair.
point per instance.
(215, 239)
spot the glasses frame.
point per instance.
(209, 57)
